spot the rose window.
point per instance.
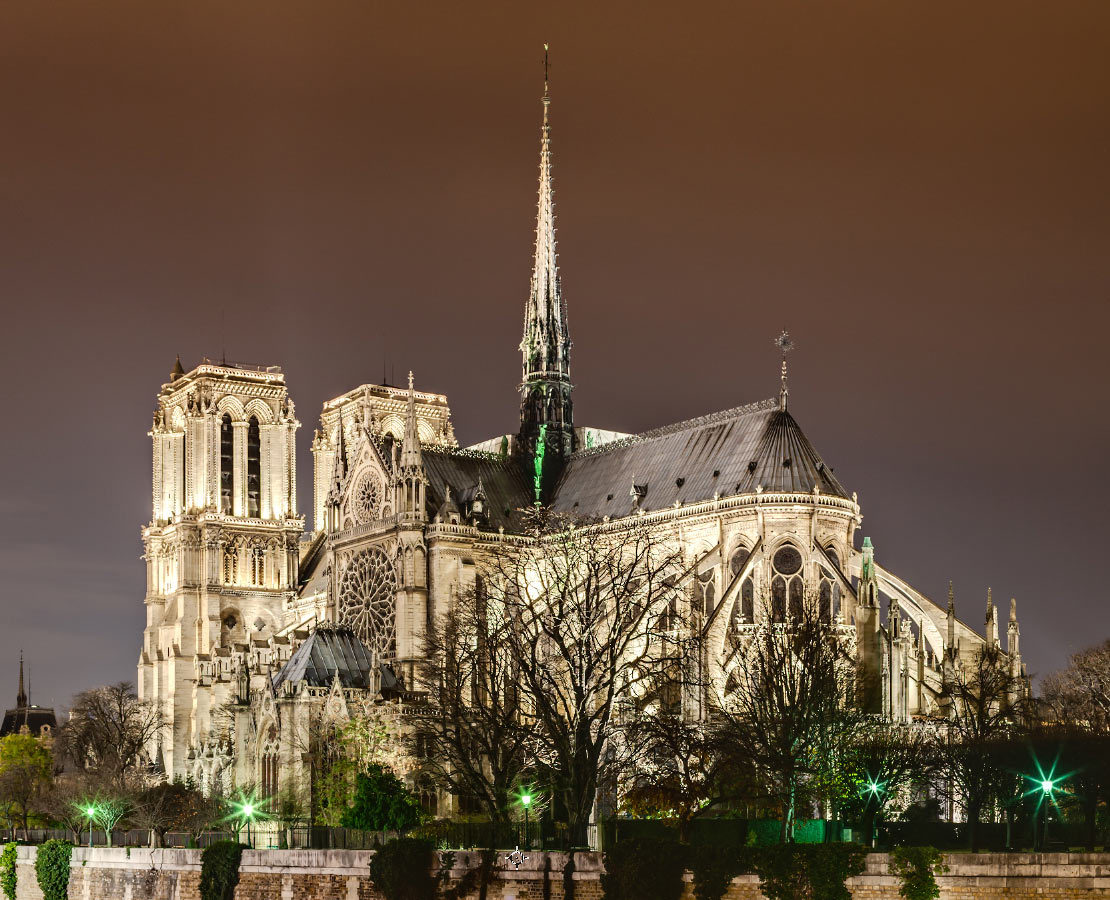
(367, 599)
(366, 498)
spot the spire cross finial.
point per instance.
(785, 344)
(545, 48)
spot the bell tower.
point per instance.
(221, 547)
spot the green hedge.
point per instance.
(219, 870)
(817, 871)
(918, 868)
(402, 870)
(7, 870)
(644, 869)
(52, 869)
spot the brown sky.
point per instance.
(918, 190)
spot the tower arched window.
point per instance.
(254, 469)
(227, 463)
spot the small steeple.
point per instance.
(340, 457)
(951, 618)
(785, 345)
(1013, 633)
(177, 370)
(991, 622)
(21, 696)
(410, 447)
(411, 479)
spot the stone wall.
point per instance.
(143, 874)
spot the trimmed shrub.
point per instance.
(52, 869)
(7, 870)
(644, 869)
(402, 870)
(715, 865)
(219, 870)
(813, 871)
(918, 868)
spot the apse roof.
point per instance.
(329, 650)
(33, 717)
(725, 453)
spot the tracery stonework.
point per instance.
(367, 599)
(367, 498)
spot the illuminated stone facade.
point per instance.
(402, 517)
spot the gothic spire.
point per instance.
(545, 407)
(21, 697)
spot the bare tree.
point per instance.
(788, 703)
(987, 709)
(109, 730)
(474, 735)
(593, 610)
(1076, 710)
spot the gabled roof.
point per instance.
(329, 650)
(725, 453)
(504, 482)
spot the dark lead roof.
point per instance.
(504, 483)
(726, 453)
(328, 650)
(33, 717)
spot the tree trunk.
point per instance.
(973, 811)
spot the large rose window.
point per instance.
(367, 599)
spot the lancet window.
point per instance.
(829, 590)
(745, 609)
(707, 590)
(254, 469)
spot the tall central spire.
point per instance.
(546, 420)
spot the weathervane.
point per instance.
(785, 345)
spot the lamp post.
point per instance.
(90, 814)
(526, 801)
(874, 788)
(1047, 787)
(248, 814)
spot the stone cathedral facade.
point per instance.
(261, 626)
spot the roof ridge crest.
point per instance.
(722, 415)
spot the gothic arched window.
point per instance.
(829, 591)
(254, 469)
(707, 588)
(787, 584)
(227, 463)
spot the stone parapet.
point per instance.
(145, 874)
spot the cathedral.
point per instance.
(258, 627)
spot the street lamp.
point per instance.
(526, 801)
(90, 814)
(874, 788)
(248, 814)
(1047, 787)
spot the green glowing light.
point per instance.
(1046, 786)
(873, 787)
(248, 810)
(526, 799)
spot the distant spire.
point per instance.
(951, 617)
(545, 347)
(340, 455)
(992, 624)
(21, 697)
(178, 371)
(1013, 609)
(785, 344)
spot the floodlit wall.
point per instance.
(118, 874)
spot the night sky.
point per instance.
(917, 190)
